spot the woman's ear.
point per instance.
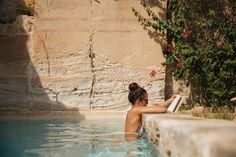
(139, 101)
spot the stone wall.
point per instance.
(78, 54)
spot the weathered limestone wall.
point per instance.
(77, 54)
(185, 136)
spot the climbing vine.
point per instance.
(200, 43)
(26, 8)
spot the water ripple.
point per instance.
(68, 137)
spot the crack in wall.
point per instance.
(47, 57)
(92, 56)
(55, 93)
(46, 52)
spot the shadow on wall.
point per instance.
(159, 38)
(159, 7)
(20, 86)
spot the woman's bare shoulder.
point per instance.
(138, 110)
(135, 110)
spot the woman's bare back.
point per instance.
(133, 121)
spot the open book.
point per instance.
(174, 104)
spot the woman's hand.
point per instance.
(167, 102)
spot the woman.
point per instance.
(138, 98)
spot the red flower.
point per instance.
(186, 33)
(170, 48)
(153, 73)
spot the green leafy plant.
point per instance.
(200, 42)
(27, 8)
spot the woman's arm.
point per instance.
(166, 103)
(151, 109)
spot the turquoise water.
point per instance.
(68, 137)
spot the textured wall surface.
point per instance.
(78, 54)
(184, 136)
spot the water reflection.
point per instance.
(69, 137)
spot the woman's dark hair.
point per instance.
(136, 93)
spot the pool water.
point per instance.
(68, 137)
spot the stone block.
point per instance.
(184, 136)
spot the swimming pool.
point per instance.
(68, 137)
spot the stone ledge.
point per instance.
(177, 135)
(61, 113)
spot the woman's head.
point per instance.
(137, 94)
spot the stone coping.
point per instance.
(178, 135)
(62, 113)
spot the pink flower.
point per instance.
(170, 48)
(233, 100)
(153, 73)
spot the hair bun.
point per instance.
(133, 86)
